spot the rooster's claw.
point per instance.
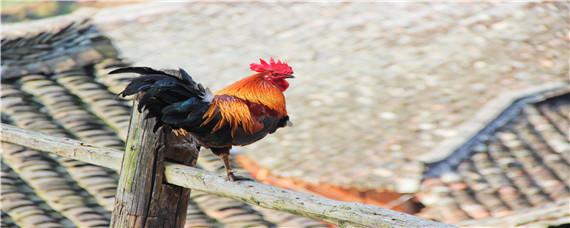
(232, 177)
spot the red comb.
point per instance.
(273, 67)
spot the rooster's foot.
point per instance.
(232, 177)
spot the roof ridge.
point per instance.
(72, 41)
(488, 119)
(32, 28)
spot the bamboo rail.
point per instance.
(343, 214)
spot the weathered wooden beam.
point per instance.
(341, 213)
(65, 147)
(307, 205)
(143, 197)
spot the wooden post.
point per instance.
(143, 198)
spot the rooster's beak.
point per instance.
(290, 76)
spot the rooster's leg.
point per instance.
(224, 154)
(229, 172)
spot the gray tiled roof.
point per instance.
(56, 82)
(390, 68)
(524, 163)
(378, 84)
(550, 215)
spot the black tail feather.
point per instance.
(162, 91)
(138, 70)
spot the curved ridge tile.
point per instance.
(553, 172)
(6, 221)
(284, 219)
(195, 217)
(68, 112)
(227, 211)
(99, 182)
(105, 105)
(439, 201)
(54, 188)
(114, 82)
(24, 210)
(232, 212)
(531, 187)
(509, 191)
(484, 168)
(551, 136)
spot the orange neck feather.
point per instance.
(258, 90)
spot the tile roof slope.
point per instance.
(522, 164)
(56, 82)
(411, 72)
(552, 215)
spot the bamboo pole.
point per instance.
(340, 213)
(143, 198)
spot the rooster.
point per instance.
(237, 115)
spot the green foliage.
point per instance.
(16, 11)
